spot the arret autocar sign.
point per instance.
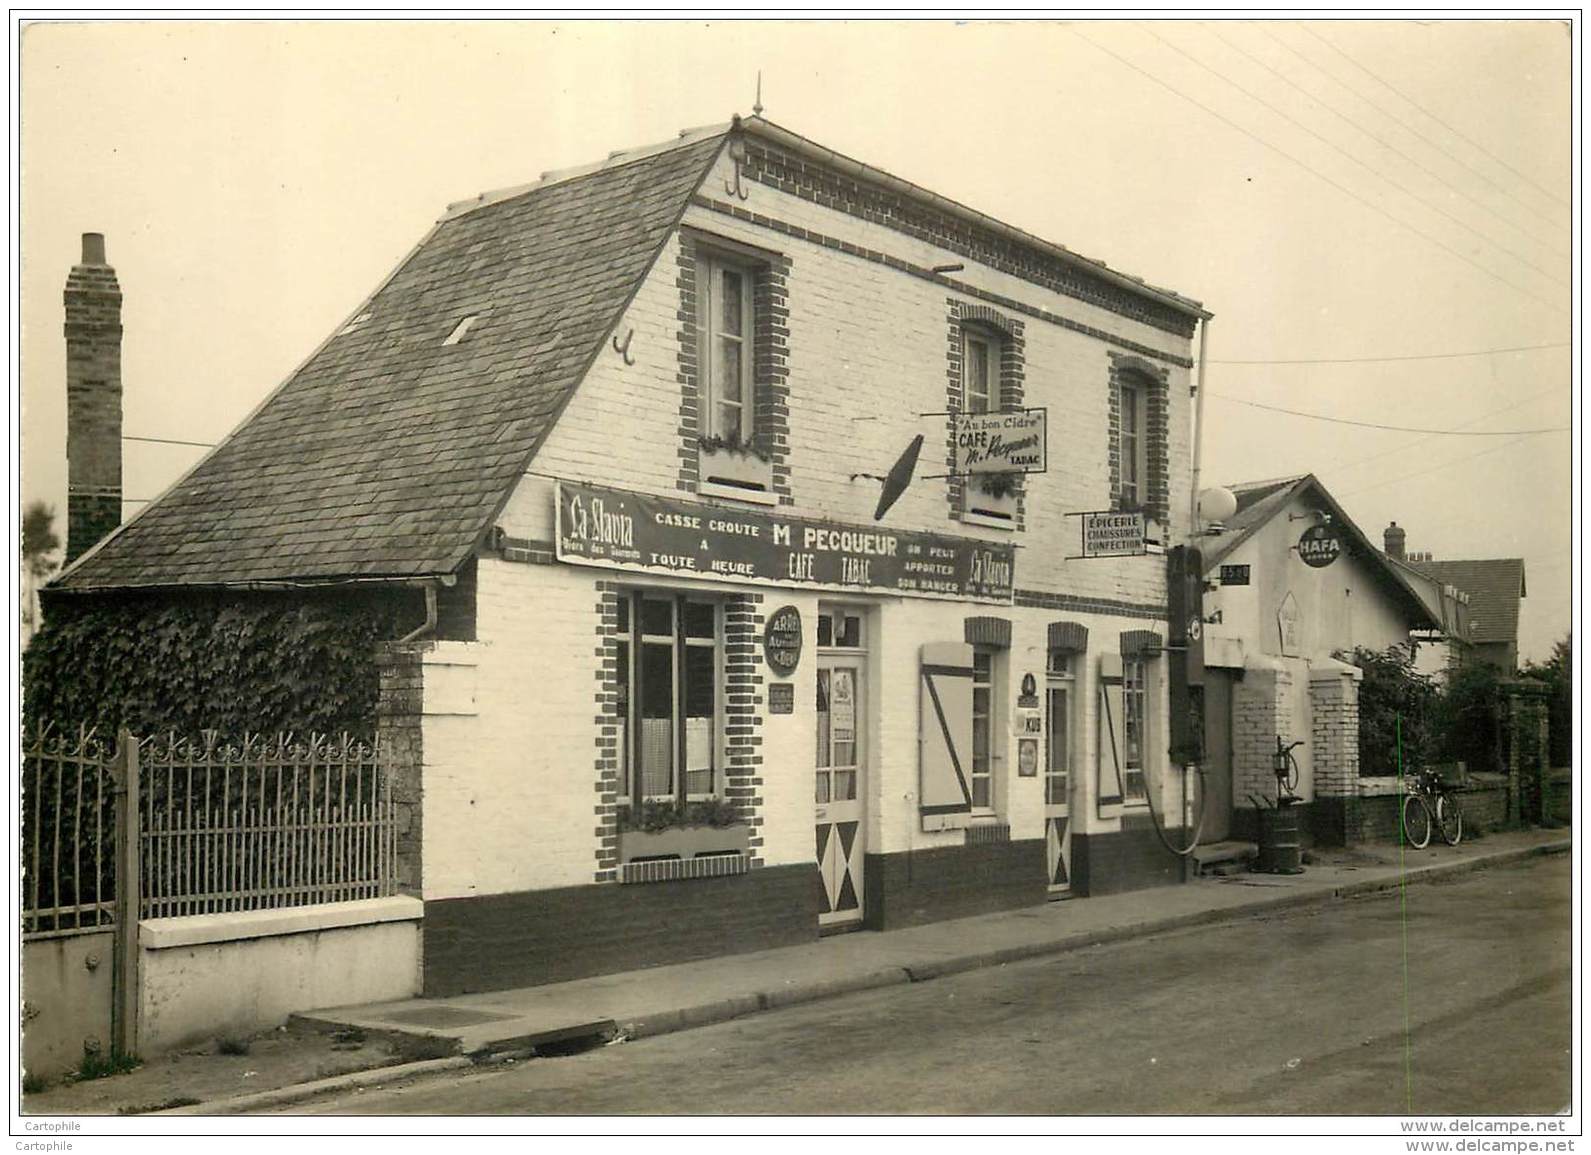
(1319, 546)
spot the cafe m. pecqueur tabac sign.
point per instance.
(613, 527)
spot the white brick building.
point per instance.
(678, 691)
(1292, 582)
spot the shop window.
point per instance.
(1135, 728)
(668, 660)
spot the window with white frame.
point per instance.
(668, 654)
(980, 369)
(1135, 728)
(726, 328)
(984, 737)
(1131, 440)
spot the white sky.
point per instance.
(256, 180)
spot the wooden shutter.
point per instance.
(1108, 783)
(945, 735)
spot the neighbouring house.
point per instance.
(1291, 582)
(686, 670)
(1491, 590)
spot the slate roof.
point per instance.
(1256, 502)
(1494, 585)
(1259, 501)
(387, 454)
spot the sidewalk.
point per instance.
(663, 999)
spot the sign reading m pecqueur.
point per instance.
(612, 527)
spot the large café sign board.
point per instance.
(1008, 442)
(612, 527)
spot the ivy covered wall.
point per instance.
(188, 661)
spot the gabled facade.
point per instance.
(681, 692)
(1291, 581)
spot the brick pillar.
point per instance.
(93, 399)
(743, 700)
(1528, 752)
(1259, 715)
(1334, 744)
(398, 726)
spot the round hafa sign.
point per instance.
(1319, 546)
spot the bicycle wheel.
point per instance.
(1450, 819)
(1416, 821)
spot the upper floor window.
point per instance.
(1130, 445)
(725, 336)
(980, 361)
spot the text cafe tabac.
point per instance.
(611, 527)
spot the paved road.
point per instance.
(1302, 1013)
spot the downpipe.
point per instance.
(429, 624)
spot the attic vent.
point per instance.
(357, 323)
(460, 329)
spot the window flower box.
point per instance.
(728, 467)
(683, 842)
(990, 499)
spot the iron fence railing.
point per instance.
(68, 831)
(263, 822)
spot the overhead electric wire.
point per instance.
(1402, 188)
(1399, 357)
(1424, 137)
(169, 441)
(1467, 140)
(1387, 144)
(1433, 469)
(1392, 428)
(1408, 445)
(1224, 119)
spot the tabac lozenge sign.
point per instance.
(613, 527)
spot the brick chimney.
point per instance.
(1392, 539)
(93, 399)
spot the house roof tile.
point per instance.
(1495, 587)
(387, 453)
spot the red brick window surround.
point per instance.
(766, 395)
(736, 695)
(985, 368)
(1139, 430)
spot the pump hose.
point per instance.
(1198, 825)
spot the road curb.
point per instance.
(740, 1006)
(297, 1092)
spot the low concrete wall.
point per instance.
(66, 1000)
(210, 975)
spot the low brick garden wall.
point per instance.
(1560, 796)
(1484, 799)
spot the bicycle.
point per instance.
(1428, 803)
